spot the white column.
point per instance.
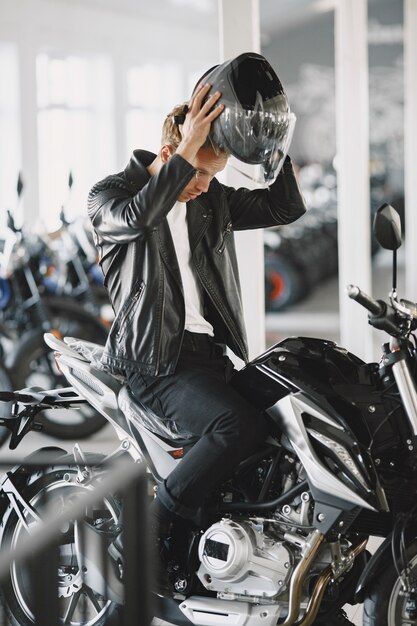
(240, 32)
(352, 149)
(410, 146)
(29, 127)
(120, 109)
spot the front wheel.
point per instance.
(79, 604)
(386, 604)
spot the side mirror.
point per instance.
(387, 227)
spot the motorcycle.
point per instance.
(283, 540)
(26, 311)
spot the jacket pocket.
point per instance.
(128, 310)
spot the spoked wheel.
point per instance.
(79, 604)
(386, 604)
(36, 367)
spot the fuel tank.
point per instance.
(329, 373)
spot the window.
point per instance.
(75, 125)
(152, 90)
(10, 155)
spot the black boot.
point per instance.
(161, 521)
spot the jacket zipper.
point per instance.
(128, 311)
(158, 352)
(209, 291)
(223, 315)
(227, 232)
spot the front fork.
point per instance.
(406, 386)
(408, 393)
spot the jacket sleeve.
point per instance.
(120, 213)
(281, 203)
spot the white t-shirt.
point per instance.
(194, 319)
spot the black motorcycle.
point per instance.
(283, 541)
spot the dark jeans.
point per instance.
(203, 404)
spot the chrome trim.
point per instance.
(277, 377)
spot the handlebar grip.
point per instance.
(373, 306)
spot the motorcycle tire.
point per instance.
(35, 367)
(79, 605)
(284, 285)
(5, 407)
(385, 603)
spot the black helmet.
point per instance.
(256, 125)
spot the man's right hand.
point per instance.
(198, 121)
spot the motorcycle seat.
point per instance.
(133, 409)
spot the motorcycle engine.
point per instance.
(239, 558)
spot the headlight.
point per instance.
(342, 454)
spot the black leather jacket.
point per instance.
(128, 212)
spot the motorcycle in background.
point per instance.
(26, 312)
(283, 541)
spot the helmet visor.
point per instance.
(261, 136)
(256, 124)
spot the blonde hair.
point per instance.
(170, 130)
(171, 133)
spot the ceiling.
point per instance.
(275, 15)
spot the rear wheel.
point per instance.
(79, 605)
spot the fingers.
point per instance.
(213, 111)
(199, 95)
(200, 115)
(197, 101)
(207, 106)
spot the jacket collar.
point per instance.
(135, 170)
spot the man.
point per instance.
(164, 231)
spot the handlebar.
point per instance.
(374, 306)
(381, 315)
